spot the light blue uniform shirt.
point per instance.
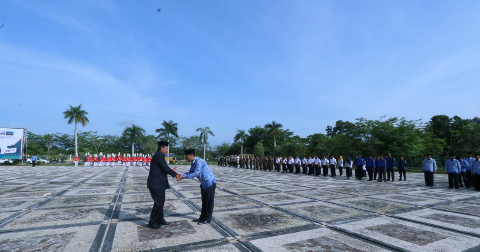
(475, 167)
(202, 172)
(470, 162)
(34, 158)
(464, 165)
(452, 166)
(429, 165)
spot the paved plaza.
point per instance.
(59, 208)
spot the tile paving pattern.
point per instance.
(268, 204)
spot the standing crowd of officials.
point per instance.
(461, 171)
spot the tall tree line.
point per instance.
(440, 136)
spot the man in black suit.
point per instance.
(157, 184)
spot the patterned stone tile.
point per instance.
(439, 195)
(61, 216)
(257, 220)
(414, 235)
(55, 242)
(197, 194)
(249, 190)
(146, 197)
(408, 199)
(136, 236)
(467, 223)
(278, 198)
(458, 207)
(221, 248)
(103, 190)
(66, 201)
(324, 211)
(320, 194)
(410, 236)
(320, 244)
(60, 239)
(322, 239)
(229, 202)
(143, 210)
(374, 205)
(175, 229)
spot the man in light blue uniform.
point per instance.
(452, 167)
(468, 172)
(463, 170)
(208, 183)
(476, 172)
(34, 159)
(429, 168)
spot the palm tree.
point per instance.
(169, 128)
(133, 135)
(76, 114)
(204, 132)
(240, 136)
(274, 128)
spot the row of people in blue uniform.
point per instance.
(466, 170)
(383, 167)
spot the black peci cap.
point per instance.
(162, 144)
(190, 151)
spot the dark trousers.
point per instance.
(310, 169)
(381, 175)
(317, 170)
(33, 163)
(333, 173)
(158, 196)
(404, 173)
(278, 167)
(290, 168)
(297, 168)
(453, 180)
(284, 167)
(470, 177)
(375, 173)
(390, 171)
(476, 182)
(348, 171)
(428, 178)
(304, 169)
(463, 176)
(208, 196)
(370, 172)
(359, 172)
(325, 170)
(340, 170)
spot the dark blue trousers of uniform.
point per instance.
(428, 178)
(158, 196)
(208, 195)
(453, 180)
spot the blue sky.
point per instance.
(236, 64)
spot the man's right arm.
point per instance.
(163, 165)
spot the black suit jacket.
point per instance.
(157, 178)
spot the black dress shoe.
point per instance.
(196, 220)
(153, 225)
(203, 222)
(166, 223)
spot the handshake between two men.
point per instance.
(179, 175)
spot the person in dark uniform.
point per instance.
(402, 168)
(390, 167)
(200, 170)
(157, 183)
